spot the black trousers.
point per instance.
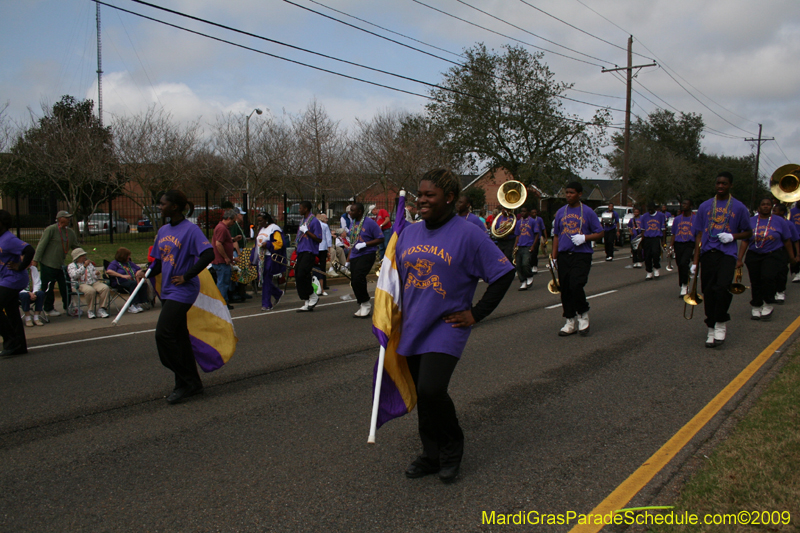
(716, 275)
(128, 285)
(651, 246)
(175, 345)
(783, 271)
(302, 274)
(684, 254)
(56, 276)
(763, 270)
(507, 247)
(535, 253)
(323, 262)
(11, 327)
(359, 268)
(636, 255)
(609, 236)
(573, 273)
(439, 431)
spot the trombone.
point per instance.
(670, 251)
(692, 299)
(737, 287)
(553, 286)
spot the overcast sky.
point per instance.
(737, 58)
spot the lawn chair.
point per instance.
(74, 296)
(117, 293)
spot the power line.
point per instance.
(781, 149)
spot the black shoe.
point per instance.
(448, 474)
(248, 296)
(11, 352)
(178, 395)
(417, 470)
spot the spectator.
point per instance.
(122, 273)
(324, 246)
(237, 231)
(346, 222)
(57, 239)
(84, 272)
(385, 223)
(33, 294)
(223, 253)
(339, 252)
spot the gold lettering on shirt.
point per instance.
(423, 267)
(427, 249)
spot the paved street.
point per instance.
(279, 440)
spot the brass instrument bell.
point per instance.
(737, 287)
(511, 195)
(785, 183)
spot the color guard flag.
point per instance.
(396, 394)
(210, 326)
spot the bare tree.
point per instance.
(321, 150)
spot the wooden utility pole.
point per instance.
(760, 141)
(626, 155)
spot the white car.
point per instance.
(98, 224)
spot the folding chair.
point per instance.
(116, 293)
(74, 296)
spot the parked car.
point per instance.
(98, 224)
(145, 226)
(149, 213)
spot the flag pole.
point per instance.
(373, 426)
(130, 298)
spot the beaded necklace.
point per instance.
(355, 231)
(305, 223)
(566, 215)
(713, 218)
(64, 239)
(759, 242)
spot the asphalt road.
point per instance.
(278, 441)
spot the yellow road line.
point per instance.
(636, 482)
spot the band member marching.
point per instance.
(610, 223)
(653, 224)
(523, 244)
(464, 210)
(270, 240)
(635, 227)
(575, 225)
(794, 217)
(506, 244)
(683, 244)
(765, 257)
(309, 235)
(719, 222)
(365, 237)
(783, 274)
(539, 237)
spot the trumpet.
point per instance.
(692, 299)
(553, 286)
(737, 287)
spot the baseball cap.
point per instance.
(63, 214)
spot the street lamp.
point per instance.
(247, 161)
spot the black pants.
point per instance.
(507, 247)
(442, 438)
(652, 253)
(573, 273)
(359, 268)
(11, 327)
(302, 274)
(128, 285)
(636, 255)
(609, 236)
(684, 254)
(763, 270)
(323, 262)
(535, 254)
(783, 271)
(716, 275)
(174, 344)
(56, 276)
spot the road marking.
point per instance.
(642, 476)
(588, 298)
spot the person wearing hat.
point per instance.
(15, 257)
(83, 271)
(57, 239)
(238, 233)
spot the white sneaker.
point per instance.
(609, 258)
(102, 313)
(313, 299)
(134, 309)
(56, 313)
(656, 273)
(529, 281)
(649, 275)
(780, 297)
(90, 314)
(796, 278)
(363, 310)
(569, 328)
(710, 341)
(306, 307)
(583, 324)
(523, 286)
(720, 330)
(535, 270)
(684, 290)
(755, 313)
(765, 311)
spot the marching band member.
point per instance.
(539, 237)
(635, 227)
(309, 235)
(683, 244)
(610, 232)
(439, 262)
(653, 224)
(719, 222)
(463, 209)
(181, 253)
(365, 237)
(270, 240)
(506, 244)
(765, 257)
(794, 216)
(783, 274)
(575, 225)
(15, 257)
(524, 246)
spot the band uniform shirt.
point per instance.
(736, 220)
(304, 242)
(369, 232)
(10, 252)
(795, 233)
(794, 216)
(439, 270)
(682, 228)
(538, 226)
(524, 230)
(177, 248)
(222, 235)
(572, 221)
(615, 222)
(475, 219)
(635, 225)
(653, 225)
(769, 234)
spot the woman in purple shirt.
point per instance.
(13, 278)
(122, 272)
(439, 262)
(181, 253)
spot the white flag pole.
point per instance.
(130, 298)
(373, 426)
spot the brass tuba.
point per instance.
(511, 195)
(785, 183)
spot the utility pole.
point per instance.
(99, 71)
(760, 141)
(626, 155)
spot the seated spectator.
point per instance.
(84, 272)
(122, 273)
(339, 251)
(33, 293)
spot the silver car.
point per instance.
(98, 224)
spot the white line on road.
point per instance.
(588, 298)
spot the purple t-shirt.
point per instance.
(439, 270)
(538, 226)
(653, 225)
(769, 233)
(127, 269)
(475, 219)
(635, 225)
(795, 233)
(615, 220)
(794, 216)
(682, 228)
(572, 221)
(369, 232)
(10, 251)
(524, 230)
(735, 220)
(304, 242)
(178, 247)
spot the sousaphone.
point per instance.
(511, 195)
(785, 183)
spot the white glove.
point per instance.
(302, 229)
(693, 269)
(578, 239)
(725, 238)
(361, 246)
